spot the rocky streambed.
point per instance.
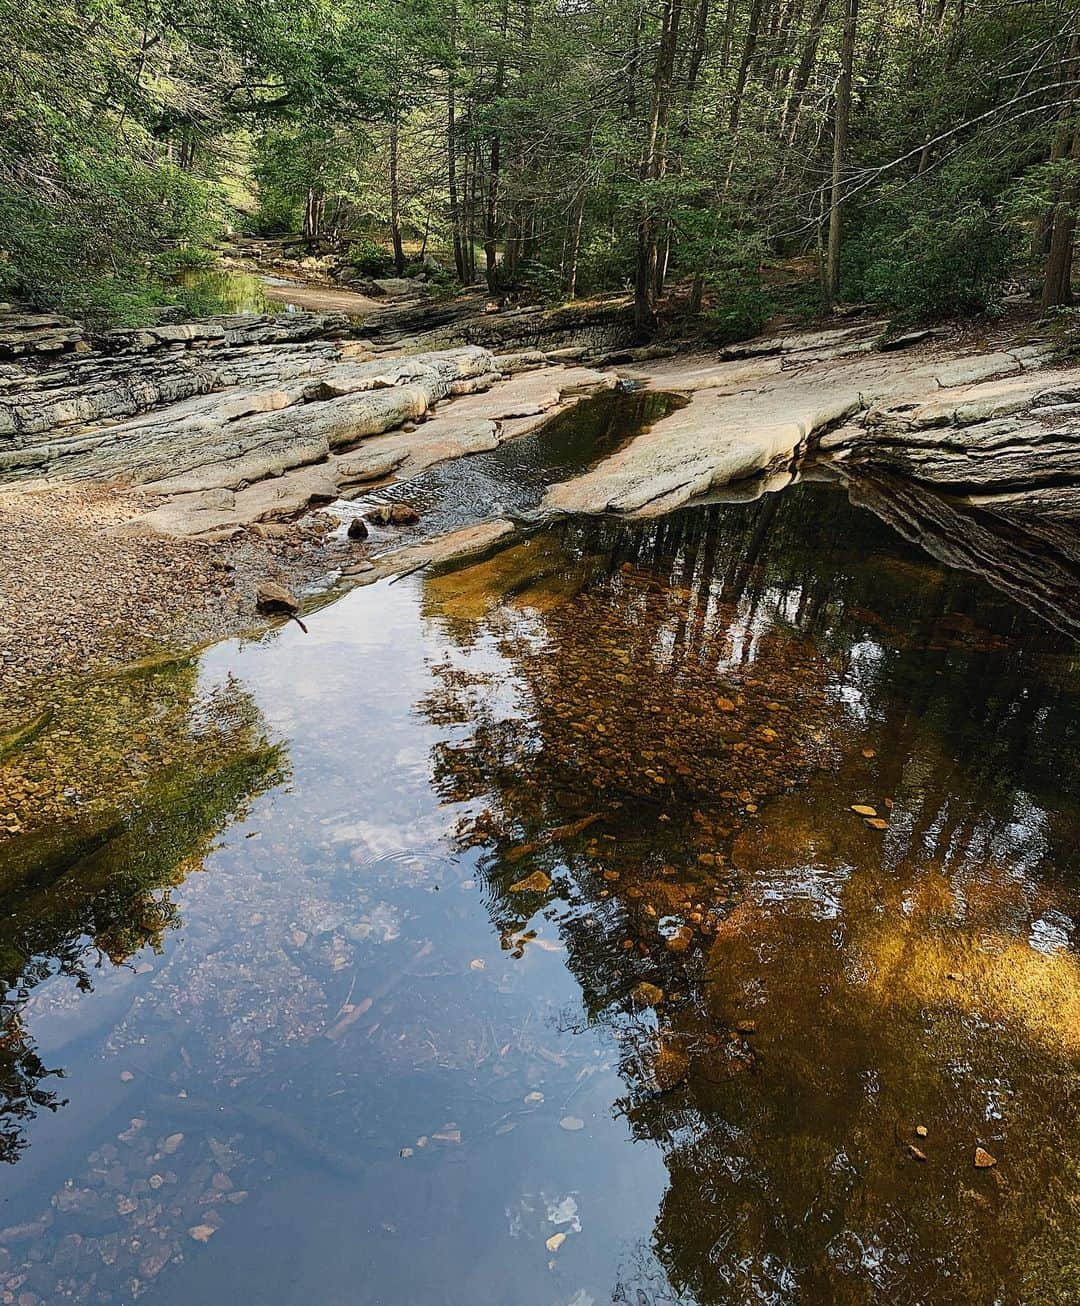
(184, 463)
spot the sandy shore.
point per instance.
(320, 299)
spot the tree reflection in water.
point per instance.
(697, 704)
(79, 894)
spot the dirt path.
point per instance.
(320, 299)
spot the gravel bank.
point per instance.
(77, 594)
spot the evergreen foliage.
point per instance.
(922, 151)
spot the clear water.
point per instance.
(320, 1044)
(510, 481)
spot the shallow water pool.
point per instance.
(643, 913)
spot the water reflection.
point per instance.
(557, 967)
(232, 291)
(1026, 546)
(846, 1002)
(122, 814)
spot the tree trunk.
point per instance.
(749, 48)
(663, 257)
(804, 71)
(512, 247)
(574, 246)
(313, 213)
(1057, 281)
(698, 27)
(491, 218)
(491, 212)
(1068, 71)
(840, 132)
(395, 202)
(653, 163)
(472, 167)
(451, 158)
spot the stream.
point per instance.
(510, 480)
(645, 912)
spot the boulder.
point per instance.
(274, 599)
(392, 514)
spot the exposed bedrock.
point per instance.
(126, 372)
(996, 437)
(991, 420)
(256, 425)
(586, 326)
(296, 469)
(218, 407)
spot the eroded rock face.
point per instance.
(37, 334)
(233, 420)
(1013, 432)
(131, 372)
(1026, 544)
(755, 411)
(259, 409)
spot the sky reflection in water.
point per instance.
(319, 1047)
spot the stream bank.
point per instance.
(189, 461)
(149, 480)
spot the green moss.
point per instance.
(24, 734)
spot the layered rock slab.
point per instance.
(302, 468)
(757, 411)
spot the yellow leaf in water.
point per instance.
(555, 1241)
(863, 810)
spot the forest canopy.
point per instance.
(919, 154)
